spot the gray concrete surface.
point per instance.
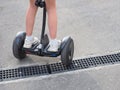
(93, 24)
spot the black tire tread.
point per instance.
(64, 53)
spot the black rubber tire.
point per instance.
(18, 45)
(67, 52)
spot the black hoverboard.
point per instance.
(66, 49)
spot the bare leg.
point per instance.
(52, 24)
(30, 17)
(52, 17)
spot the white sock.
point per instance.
(52, 39)
(30, 38)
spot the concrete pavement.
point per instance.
(94, 25)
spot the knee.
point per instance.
(32, 4)
(50, 4)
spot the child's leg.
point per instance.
(52, 17)
(30, 19)
(52, 24)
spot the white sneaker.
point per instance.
(29, 43)
(54, 45)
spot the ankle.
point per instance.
(30, 38)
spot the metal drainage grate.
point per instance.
(23, 72)
(86, 63)
(31, 71)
